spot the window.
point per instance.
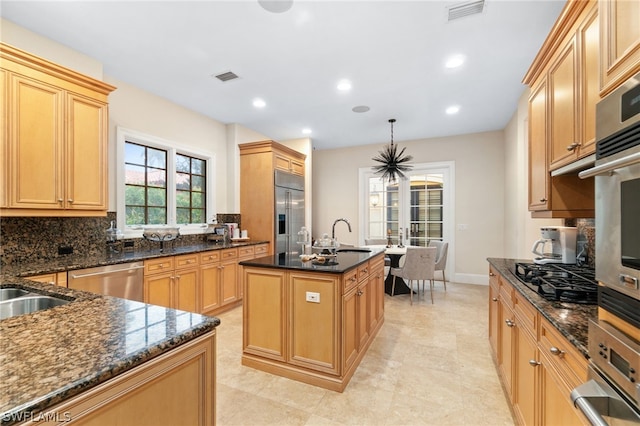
(421, 207)
(162, 183)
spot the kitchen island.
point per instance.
(105, 360)
(311, 321)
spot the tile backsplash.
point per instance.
(587, 233)
(29, 239)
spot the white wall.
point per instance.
(479, 200)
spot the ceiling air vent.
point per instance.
(460, 10)
(226, 76)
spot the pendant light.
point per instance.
(392, 164)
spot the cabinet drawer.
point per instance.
(569, 362)
(363, 271)
(350, 280)
(209, 257)
(506, 293)
(154, 266)
(261, 250)
(186, 260)
(245, 252)
(229, 254)
(526, 313)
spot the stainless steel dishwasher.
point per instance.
(123, 280)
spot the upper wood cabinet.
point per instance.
(619, 42)
(258, 161)
(54, 139)
(564, 91)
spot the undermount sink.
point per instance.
(353, 250)
(16, 301)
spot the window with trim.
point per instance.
(162, 183)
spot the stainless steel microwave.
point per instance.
(617, 188)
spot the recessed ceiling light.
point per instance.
(259, 103)
(453, 109)
(454, 61)
(360, 108)
(306, 131)
(344, 85)
(276, 6)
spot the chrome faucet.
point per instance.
(333, 230)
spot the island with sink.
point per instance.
(312, 319)
(70, 355)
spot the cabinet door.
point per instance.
(158, 289)
(36, 144)
(229, 282)
(363, 301)
(350, 340)
(556, 407)
(538, 168)
(589, 38)
(210, 281)
(376, 289)
(494, 308)
(619, 43)
(563, 102)
(314, 337)
(4, 173)
(505, 355)
(525, 376)
(264, 313)
(187, 290)
(86, 154)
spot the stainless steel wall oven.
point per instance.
(612, 395)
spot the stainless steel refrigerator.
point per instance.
(289, 211)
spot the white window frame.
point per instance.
(124, 135)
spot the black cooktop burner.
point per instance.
(559, 281)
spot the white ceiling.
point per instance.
(393, 52)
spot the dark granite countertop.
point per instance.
(54, 354)
(570, 319)
(345, 262)
(81, 261)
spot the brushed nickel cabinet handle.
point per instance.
(534, 363)
(510, 323)
(573, 146)
(543, 200)
(557, 352)
(495, 299)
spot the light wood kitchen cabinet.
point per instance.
(55, 278)
(538, 367)
(321, 341)
(55, 139)
(210, 278)
(619, 42)
(176, 388)
(258, 161)
(173, 282)
(229, 276)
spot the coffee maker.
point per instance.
(562, 242)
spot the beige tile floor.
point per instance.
(428, 365)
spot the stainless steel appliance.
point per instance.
(125, 280)
(564, 283)
(561, 239)
(289, 211)
(612, 395)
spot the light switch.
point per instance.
(313, 297)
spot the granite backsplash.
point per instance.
(29, 239)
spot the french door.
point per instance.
(418, 209)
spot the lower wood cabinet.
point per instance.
(176, 388)
(173, 282)
(320, 343)
(55, 278)
(538, 367)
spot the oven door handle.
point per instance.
(593, 401)
(602, 169)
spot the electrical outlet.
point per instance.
(313, 297)
(65, 250)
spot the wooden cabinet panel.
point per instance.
(619, 42)
(158, 289)
(556, 407)
(363, 301)
(507, 344)
(229, 281)
(494, 312)
(589, 41)
(264, 330)
(538, 168)
(187, 290)
(350, 338)
(59, 278)
(376, 284)
(174, 282)
(526, 375)
(316, 348)
(210, 279)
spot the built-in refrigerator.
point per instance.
(289, 211)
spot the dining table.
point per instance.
(394, 253)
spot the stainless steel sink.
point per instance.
(15, 301)
(11, 293)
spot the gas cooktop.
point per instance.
(560, 281)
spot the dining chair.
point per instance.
(441, 257)
(378, 242)
(419, 264)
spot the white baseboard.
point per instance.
(479, 279)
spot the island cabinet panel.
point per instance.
(177, 388)
(313, 342)
(264, 313)
(350, 338)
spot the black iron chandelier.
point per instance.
(392, 164)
